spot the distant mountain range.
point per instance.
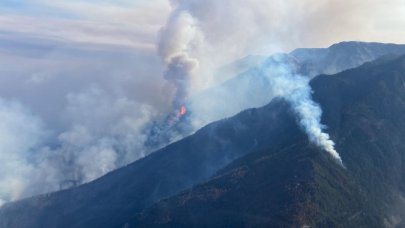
(251, 88)
(258, 168)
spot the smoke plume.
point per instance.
(309, 115)
(178, 36)
(285, 81)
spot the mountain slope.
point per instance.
(298, 184)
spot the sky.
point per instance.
(129, 23)
(136, 23)
(81, 79)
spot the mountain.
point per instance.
(252, 88)
(257, 168)
(342, 56)
(299, 185)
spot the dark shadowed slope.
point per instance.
(295, 184)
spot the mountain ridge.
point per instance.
(361, 195)
(252, 89)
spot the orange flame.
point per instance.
(182, 111)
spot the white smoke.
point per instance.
(284, 81)
(309, 114)
(116, 142)
(103, 133)
(20, 134)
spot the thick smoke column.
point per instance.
(179, 39)
(179, 36)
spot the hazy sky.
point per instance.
(130, 23)
(136, 22)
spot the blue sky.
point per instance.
(55, 9)
(28, 8)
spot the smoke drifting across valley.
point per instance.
(20, 135)
(35, 162)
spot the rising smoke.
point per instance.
(296, 90)
(309, 114)
(177, 38)
(281, 78)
